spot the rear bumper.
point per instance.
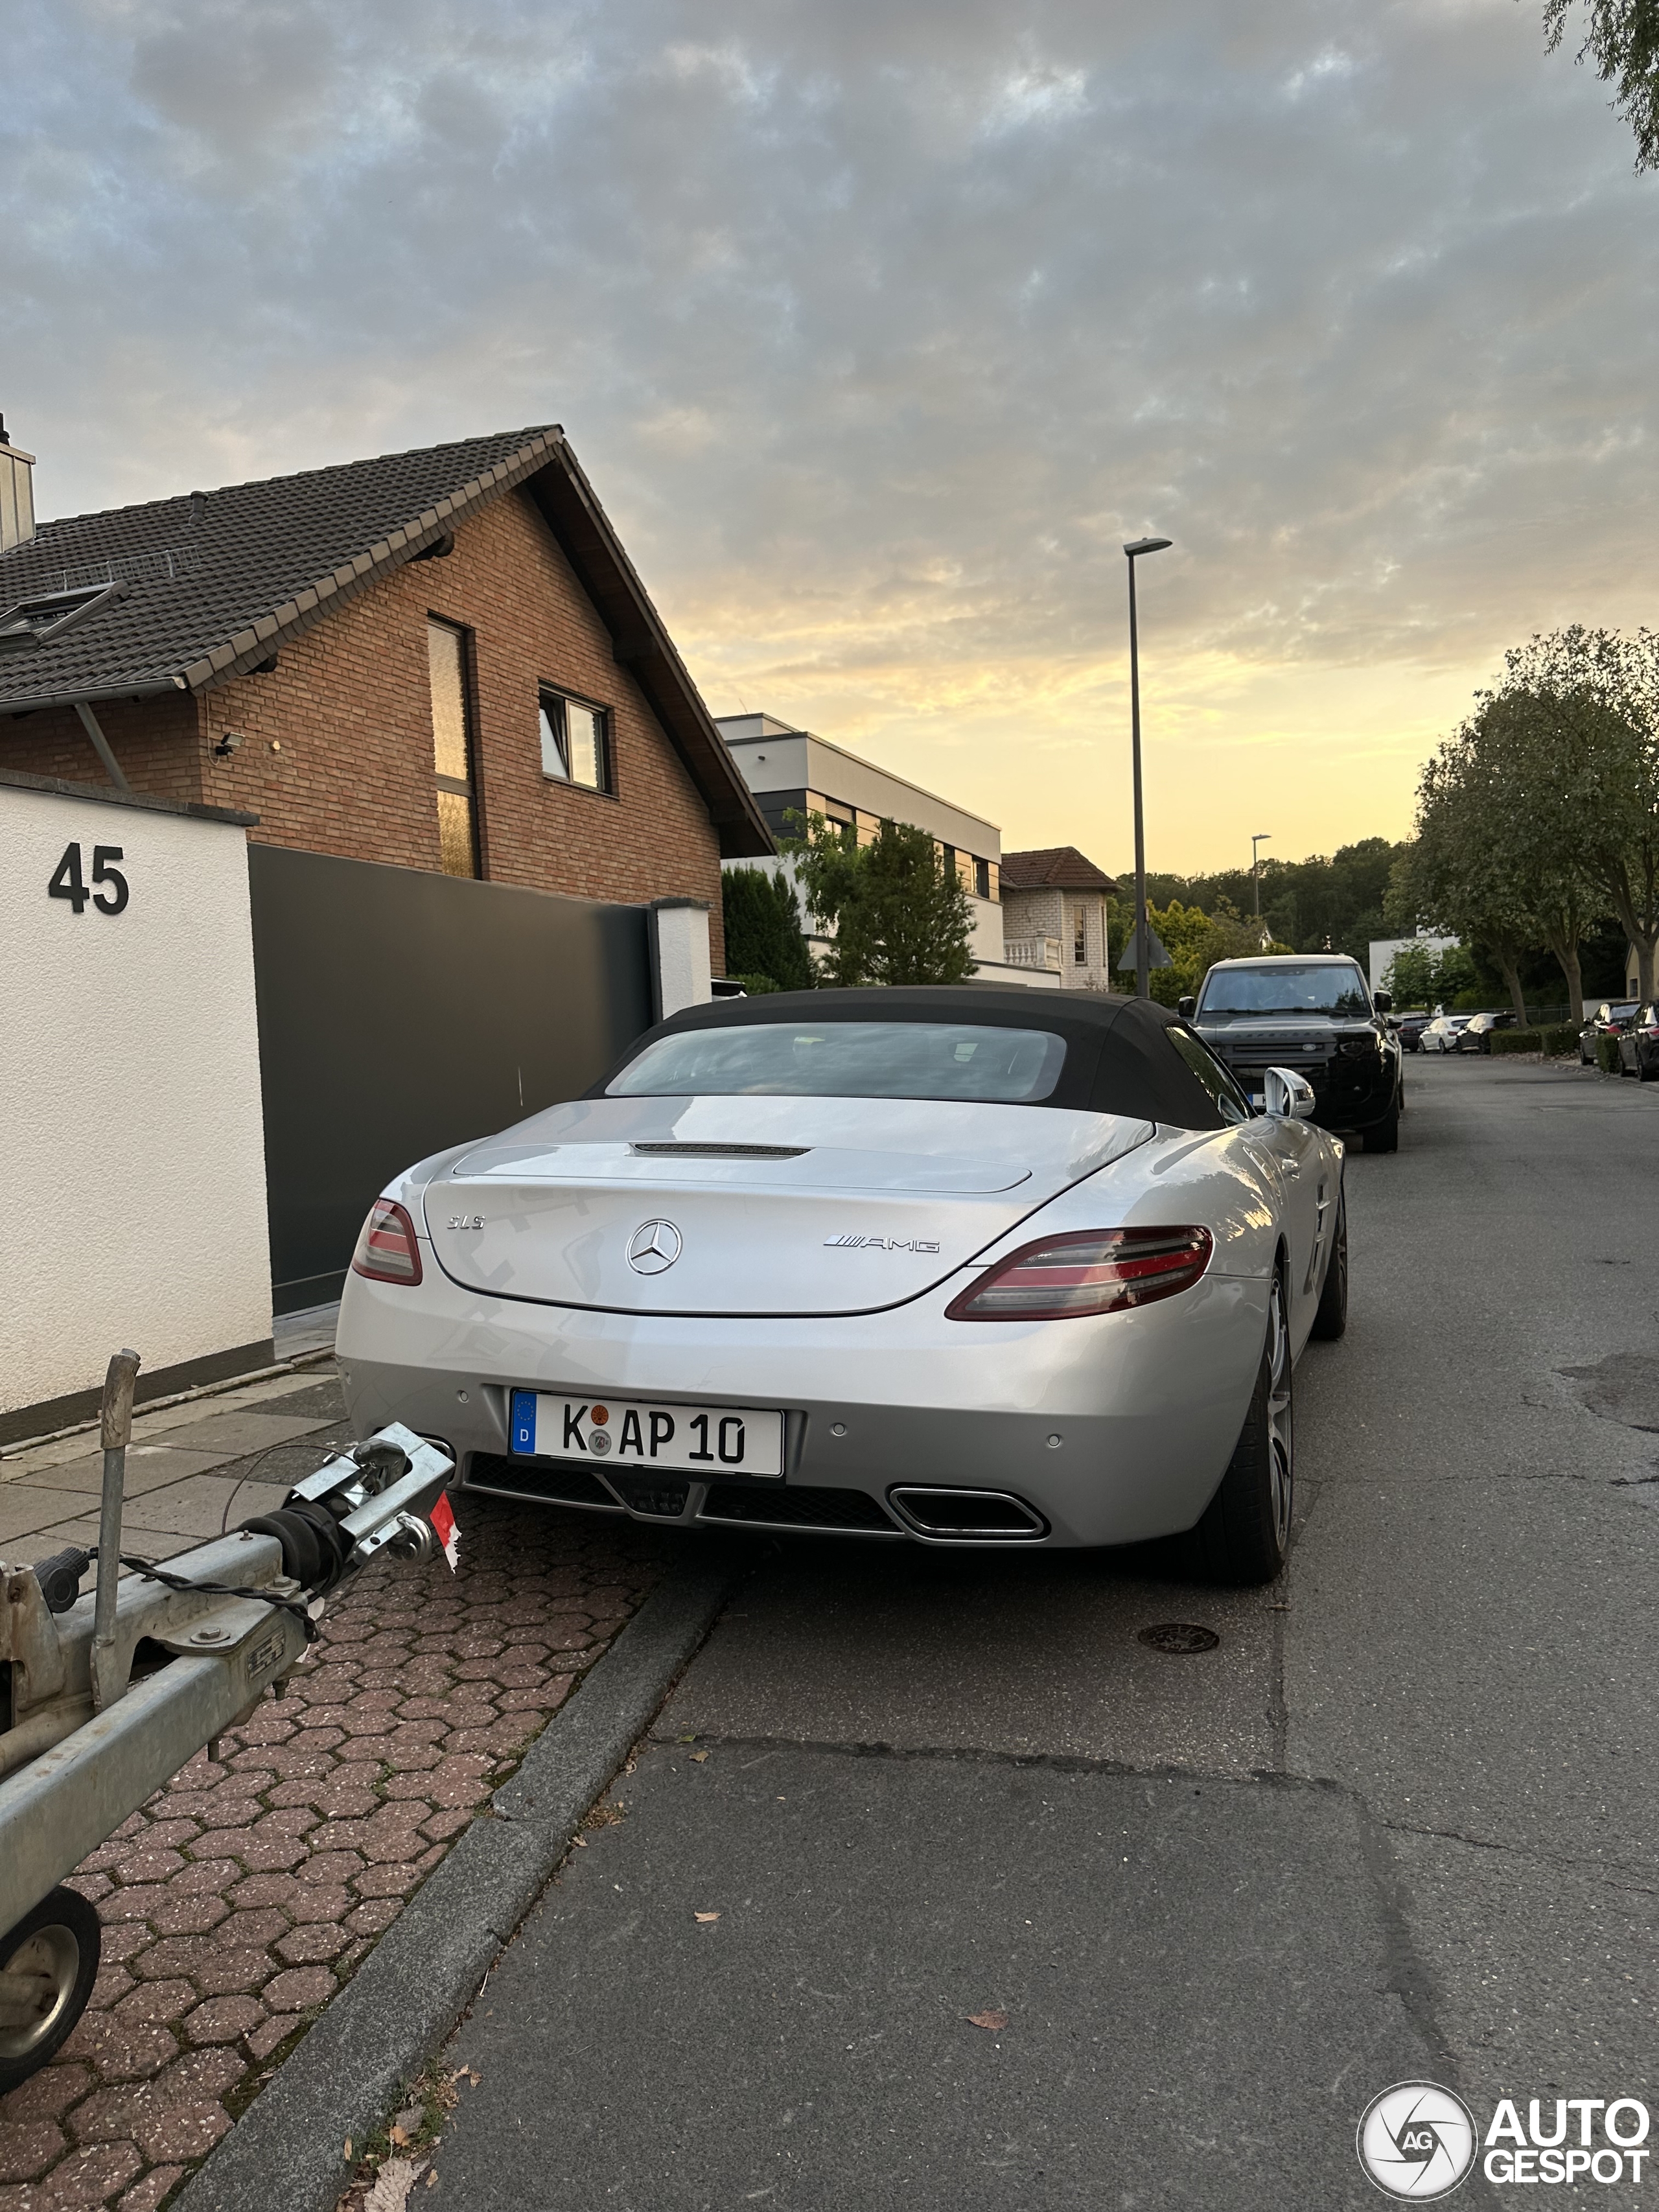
(1146, 1407)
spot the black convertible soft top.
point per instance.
(1119, 1056)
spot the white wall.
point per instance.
(130, 1114)
(1382, 949)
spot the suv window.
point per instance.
(1284, 986)
(1230, 1103)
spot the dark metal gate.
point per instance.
(402, 1012)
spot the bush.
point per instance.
(1562, 1039)
(755, 986)
(1606, 1055)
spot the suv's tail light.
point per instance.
(1095, 1272)
(387, 1249)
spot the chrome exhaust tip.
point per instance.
(966, 1516)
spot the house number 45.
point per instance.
(68, 882)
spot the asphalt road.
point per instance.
(1398, 1824)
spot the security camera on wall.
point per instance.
(226, 744)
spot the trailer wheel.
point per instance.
(48, 1964)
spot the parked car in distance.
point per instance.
(1311, 1011)
(1639, 1045)
(1440, 1033)
(1409, 1030)
(956, 1265)
(1609, 1017)
(1476, 1036)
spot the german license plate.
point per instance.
(627, 1432)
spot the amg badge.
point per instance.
(883, 1243)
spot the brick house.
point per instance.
(441, 659)
(1054, 908)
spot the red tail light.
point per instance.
(1095, 1271)
(387, 1250)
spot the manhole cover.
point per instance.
(1180, 1637)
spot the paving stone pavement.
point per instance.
(237, 1900)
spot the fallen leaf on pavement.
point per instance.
(390, 2192)
(987, 2019)
(432, 2176)
(700, 1756)
(706, 1917)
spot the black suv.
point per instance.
(1311, 1012)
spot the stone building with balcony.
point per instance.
(1053, 917)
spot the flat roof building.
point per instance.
(793, 771)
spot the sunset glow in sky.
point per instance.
(879, 327)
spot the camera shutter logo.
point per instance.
(654, 1246)
(1416, 2141)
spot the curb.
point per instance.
(285, 2155)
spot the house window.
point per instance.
(1080, 938)
(983, 872)
(990, 875)
(452, 750)
(575, 742)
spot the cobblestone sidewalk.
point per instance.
(237, 1900)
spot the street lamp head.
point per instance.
(1148, 545)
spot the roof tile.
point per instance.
(1053, 867)
(206, 575)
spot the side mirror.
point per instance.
(1382, 1001)
(1287, 1095)
(1185, 1008)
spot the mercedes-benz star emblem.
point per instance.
(654, 1246)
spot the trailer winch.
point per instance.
(103, 1698)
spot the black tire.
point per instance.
(1385, 1136)
(1643, 1073)
(60, 1939)
(1244, 1535)
(1331, 1318)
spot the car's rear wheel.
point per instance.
(1385, 1137)
(1245, 1533)
(1332, 1317)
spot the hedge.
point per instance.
(1562, 1039)
(1606, 1055)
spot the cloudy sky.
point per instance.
(880, 324)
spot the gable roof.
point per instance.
(1055, 868)
(204, 587)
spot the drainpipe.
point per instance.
(100, 745)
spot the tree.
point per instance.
(1329, 902)
(1623, 42)
(898, 916)
(764, 947)
(1421, 976)
(1593, 700)
(1196, 940)
(1457, 877)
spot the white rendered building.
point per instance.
(792, 771)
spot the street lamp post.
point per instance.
(1261, 837)
(1142, 949)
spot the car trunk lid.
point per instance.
(771, 1205)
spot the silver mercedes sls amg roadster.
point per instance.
(962, 1266)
